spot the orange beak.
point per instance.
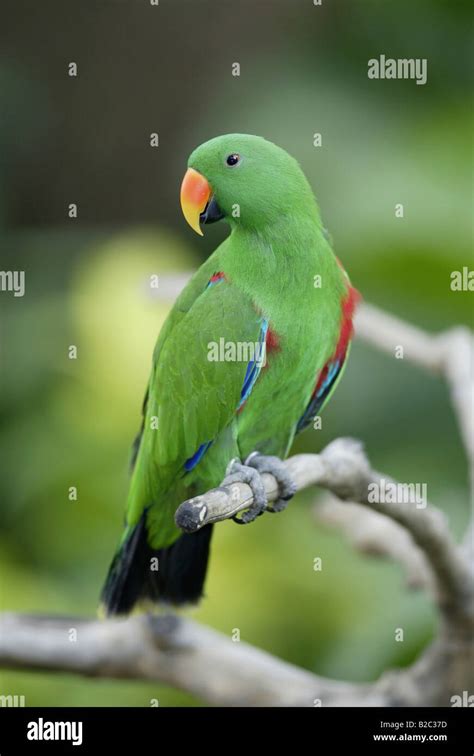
(195, 193)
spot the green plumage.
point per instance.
(275, 250)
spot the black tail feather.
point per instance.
(182, 569)
(177, 577)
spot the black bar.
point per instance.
(318, 730)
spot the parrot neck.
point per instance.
(280, 264)
(291, 242)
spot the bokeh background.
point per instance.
(167, 69)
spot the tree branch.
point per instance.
(172, 650)
(343, 468)
(180, 653)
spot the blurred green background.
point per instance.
(167, 69)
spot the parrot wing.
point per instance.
(199, 379)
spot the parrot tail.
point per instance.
(177, 577)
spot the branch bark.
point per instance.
(172, 650)
(342, 468)
(207, 664)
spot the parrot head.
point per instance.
(244, 179)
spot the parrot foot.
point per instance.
(238, 473)
(276, 467)
(251, 473)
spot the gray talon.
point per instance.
(238, 473)
(277, 468)
(251, 473)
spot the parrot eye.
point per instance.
(233, 159)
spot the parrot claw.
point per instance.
(239, 473)
(251, 473)
(276, 467)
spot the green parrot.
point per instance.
(249, 354)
